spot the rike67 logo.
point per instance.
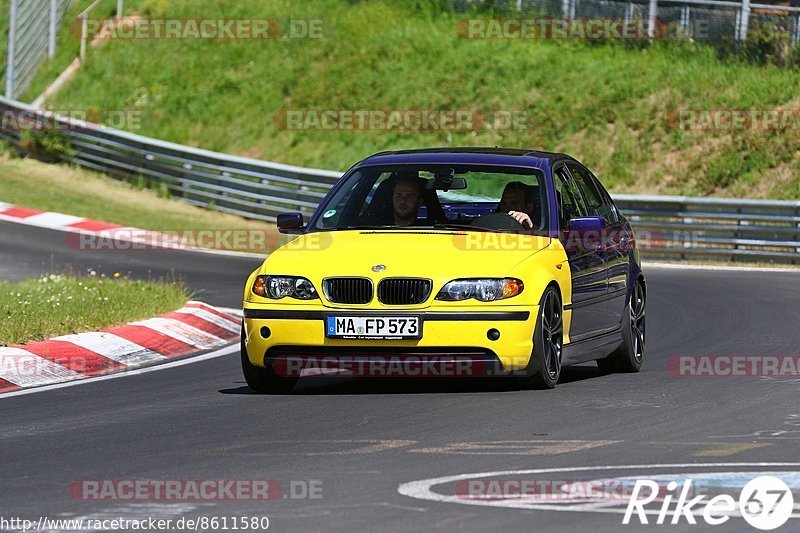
(765, 502)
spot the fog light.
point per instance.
(493, 334)
(265, 332)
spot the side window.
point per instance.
(570, 204)
(597, 203)
(371, 200)
(333, 217)
(608, 203)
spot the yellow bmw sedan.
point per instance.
(450, 263)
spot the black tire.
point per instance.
(629, 356)
(263, 380)
(544, 368)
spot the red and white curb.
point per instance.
(193, 328)
(45, 219)
(103, 230)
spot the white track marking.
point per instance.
(26, 369)
(237, 313)
(172, 364)
(231, 311)
(208, 316)
(43, 222)
(516, 447)
(724, 268)
(53, 219)
(181, 331)
(4, 206)
(422, 489)
(113, 347)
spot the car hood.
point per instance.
(418, 253)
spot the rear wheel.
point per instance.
(548, 339)
(263, 380)
(629, 356)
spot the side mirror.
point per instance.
(587, 224)
(290, 222)
(586, 234)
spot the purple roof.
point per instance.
(464, 156)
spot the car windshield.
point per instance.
(444, 197)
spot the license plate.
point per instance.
(373, 327)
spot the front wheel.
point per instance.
(263, 380)
(548, 339)
(629, 356)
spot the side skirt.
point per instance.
(591, 349)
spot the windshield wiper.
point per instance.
(358, 226)
(439, 225)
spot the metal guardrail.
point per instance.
(667, 227)
(679, 227)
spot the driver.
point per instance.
(406, 200)
(517, 203)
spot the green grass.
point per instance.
(61, 304)
(610, 105)
(79, 192)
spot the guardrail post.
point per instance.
(12, 48)
(651, 28)
(84, 35)
(119, 8)
(568, 9)
(797, 209)
(51, 44)
(744, 21)
(685, 13)
(796, 33)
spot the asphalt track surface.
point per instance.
(363, 438)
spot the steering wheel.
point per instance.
(498, 221)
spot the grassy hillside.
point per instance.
(611, 106)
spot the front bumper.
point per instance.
(299, 331)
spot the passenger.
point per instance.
(517, 203)
(406, 201)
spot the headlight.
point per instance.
(484, 290)
(277, 287)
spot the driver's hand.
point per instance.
(521, 217)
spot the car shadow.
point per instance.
(344, 386)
